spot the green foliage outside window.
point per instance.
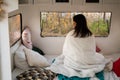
(60, 23)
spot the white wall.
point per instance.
(53, 45)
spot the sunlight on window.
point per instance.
(55, 24)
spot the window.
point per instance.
(60, 23)
(15, 28)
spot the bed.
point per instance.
(16, 71)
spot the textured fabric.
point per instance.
(20, 58)
(79, 58)
(36, 74)
(97, 49)
(35, 59)
(99, 75)
(110, 75)
(38, 50)
(62, 77)
(116, 67)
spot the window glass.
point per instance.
(60, 23)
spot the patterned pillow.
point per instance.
(36, 74)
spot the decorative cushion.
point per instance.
(26, 38)
(38, 50)
(35, 59)
(20, 58)
(116, 67)
(36, 74)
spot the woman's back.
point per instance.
(80, 51)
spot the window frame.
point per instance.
(108, 29)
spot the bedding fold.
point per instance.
(79, 58)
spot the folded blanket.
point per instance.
(62, 77)
(99, 75)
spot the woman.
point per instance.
(79, 57)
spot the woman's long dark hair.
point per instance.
(81, 28)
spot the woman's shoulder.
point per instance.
(70, 32)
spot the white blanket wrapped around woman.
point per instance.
(79, 58)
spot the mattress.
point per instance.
(108, 75)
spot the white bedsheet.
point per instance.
(108, 75)
(51, 57)
(111, 76)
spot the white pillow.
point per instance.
(35, 59)
(20, 58)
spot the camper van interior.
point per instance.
(33, 32)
